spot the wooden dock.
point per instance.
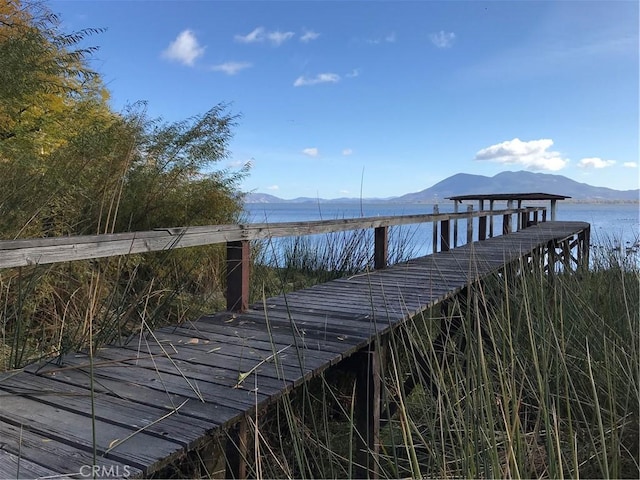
(166, 392)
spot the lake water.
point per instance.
(610, 223)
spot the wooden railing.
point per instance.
(40, 251)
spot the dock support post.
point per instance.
(554, 204)
(551, 257)
(368, 363)
(381, 247)
(566, 254)
(236, 450)
(584, 239)
(238, 254)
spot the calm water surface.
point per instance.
(610, 223)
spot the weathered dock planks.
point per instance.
(134, 408)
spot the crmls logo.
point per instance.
(104, 471)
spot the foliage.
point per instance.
(538, 380)
(70, 165)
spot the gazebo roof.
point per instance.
(508, 196)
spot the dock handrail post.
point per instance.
(506, 219)
(491, 219)
(521, 222)
(380, 247)
(445, 236)
(554, 205)
(469, 224)
(482, 228)
(238, 264)
(455, 224)
(436, 211)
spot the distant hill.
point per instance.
(518, 182)
(505, 182)
(266, 198)
(262, 198)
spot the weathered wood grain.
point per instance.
(279, 343)
(41, 251)
(140, 450)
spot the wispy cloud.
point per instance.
(311, 152)
(247, 164)
(354, 73)
(273, 187)
(184, 49)
(630, 164)
(347, 151)
(231, 68)
(308, 36)
(278, 38)
(257, 35)
(533, 154)
(389, 38)
(260, 35)
(442, 39)
(320, 78)
(595, 162)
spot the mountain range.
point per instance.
(467, 184)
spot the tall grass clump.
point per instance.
(286, 264)
(52, 310)
(528, 374)
(546, 384)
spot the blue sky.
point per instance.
(384, 98)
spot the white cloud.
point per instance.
(260, 34)
(309, 35)
(595, 162)
(320, 78)
(347, 151)
(257, 35)
(231, 68)
(442, 39)
(273, 187)
(354, 73)
(184, 49)
(533, 155)
(630, 164)
(311, 152)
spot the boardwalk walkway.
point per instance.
(164, 393)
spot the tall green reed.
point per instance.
(534, 375)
